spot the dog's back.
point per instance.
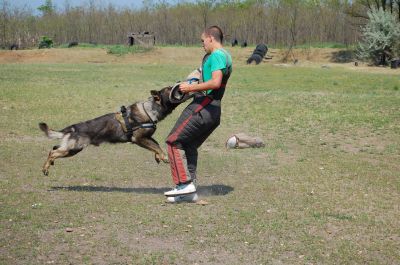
(101, 129)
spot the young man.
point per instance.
(200, 117)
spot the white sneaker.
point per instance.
(194, 181)
(183, 198)
(181, 189)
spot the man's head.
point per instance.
(212, 38)
(216, 33)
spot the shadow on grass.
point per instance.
(212, 190)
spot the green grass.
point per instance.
(84, 45)
(117, 49)
(324, 190)
(123, 49)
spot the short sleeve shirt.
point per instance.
(216, 61)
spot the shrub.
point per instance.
(46, 42)
(381, 38)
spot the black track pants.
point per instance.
(198, 120)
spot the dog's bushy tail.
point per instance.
(49, 132)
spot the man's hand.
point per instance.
(185, 87)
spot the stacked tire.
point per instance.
(395, 63)
(258, 54)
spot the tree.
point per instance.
(47, 8)
(275, 22)
(4, 12)
(360, 8)
(205, 7)
(381, 37)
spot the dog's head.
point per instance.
(161, 98)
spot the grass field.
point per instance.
(324, 190)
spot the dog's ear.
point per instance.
(155, 94)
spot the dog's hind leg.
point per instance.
(58, 153)
(54, 148)
(70, 146)
(53, 155)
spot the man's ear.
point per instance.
(155, 94)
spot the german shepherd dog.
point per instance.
(113, 128)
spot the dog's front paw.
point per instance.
(161, 157)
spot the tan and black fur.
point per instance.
(110, 128)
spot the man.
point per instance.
(200, 117)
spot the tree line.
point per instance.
(273, 22)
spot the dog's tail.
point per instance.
(49, 132)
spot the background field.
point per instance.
(324, 190)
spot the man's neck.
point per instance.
(216, 47)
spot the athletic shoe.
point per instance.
(194, 181)
(183, 198)
(181, 189)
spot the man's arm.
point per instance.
(213, 83)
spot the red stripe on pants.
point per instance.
(178, 167)
(203, 104)
(178, 130)
(172, 164)
(174, 136)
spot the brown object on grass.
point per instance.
(242, 140)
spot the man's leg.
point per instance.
(192, 153)
(180, 172)
(188, 127)
(183, 162)
(178, 163)
(191, 157)
(188, 134)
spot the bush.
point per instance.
(46, 42)
(381, 38)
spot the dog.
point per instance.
(136, 124)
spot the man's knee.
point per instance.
(174, 144)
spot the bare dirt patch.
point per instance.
(313, 57)
(97, 55)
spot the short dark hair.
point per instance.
(215, 32)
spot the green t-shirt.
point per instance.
(216, 61)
